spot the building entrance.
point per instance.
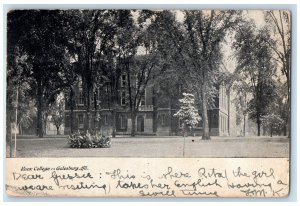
(140, 124)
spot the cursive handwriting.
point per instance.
(24, 176)
(117, 174)
(131, 185)
(159, 185)
(155, 194)
(170, 174)
(35, 187)
(57, 177)
(262, 174)
(202, 172)
(254, 192)
(196, 184)
(192, 192)
(83, 185)
(239, 173)
(168, 182)
(247, 185)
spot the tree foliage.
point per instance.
(187, 112)
(272, 121)
(38, 37)
(279, 23)
(255, 64)
(205, 31)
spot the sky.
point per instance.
(229, 63)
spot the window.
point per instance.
(106, 119)
(67, 120)
(143, 97)
(123, 121)
(80, 121)
(123, 98)
(80, 98)
(163, 119)
(123, 80)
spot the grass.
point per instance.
(141, 146)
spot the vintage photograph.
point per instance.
(148, 83)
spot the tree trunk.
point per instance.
(9, 109)
(154, 111)
(57, 130)
(95, 110)
(285, 129)
(87, 88)
(185, 129)
(40, 110)
(114, 123)
(170, 114)
(133, 117)
(205, 135)
(244, 125)
(45, 120)
(72, 105)
(88, 107)
(271, 130)
(258, 126)
(228, 109)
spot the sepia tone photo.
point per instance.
(139, 82)
(150, 84)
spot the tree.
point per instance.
(273, 122)
(57, 112)
(205, 31)
(187, 112)
(277, 116)
(91, 37)
(254, 59)
(38, 36)
(279, 21)
(158, 39)
(241, 87)
(125, 49)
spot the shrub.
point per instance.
(79, 140)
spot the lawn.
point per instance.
(159, 147)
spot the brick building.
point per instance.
(155, 115)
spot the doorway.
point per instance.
(140, 124)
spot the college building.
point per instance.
(155, 115)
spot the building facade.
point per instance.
(155, 115)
